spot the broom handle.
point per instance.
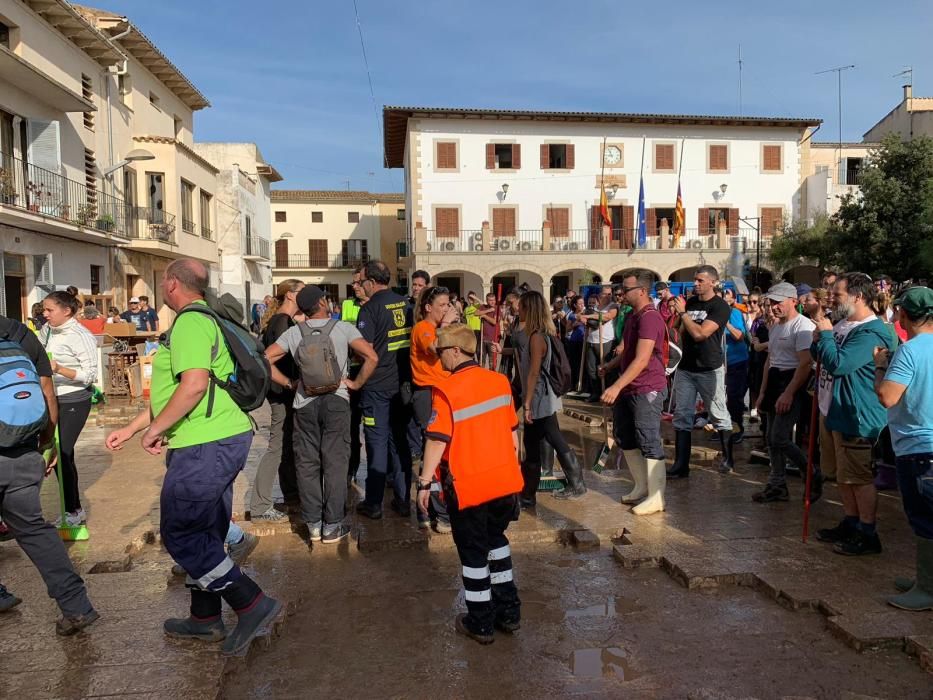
(811, 454)
(495, 356)
(602, 376)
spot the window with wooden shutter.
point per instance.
(353, 252)
(503, 153)
(317, 253)
(503, 221)
(560, 221)
(353, 217)
(664, 156)
(571, 157)
(317, 217)
(628, 226)
(281, 253)
(446, 158)
(280, 217)
(560, 156)
(545, 157)
(772, 219)
(447, 222)
(651, 221)
(516, 156)
(718, 158)
(732, 222)
(490, 156)
(703, 221)
(771, 158)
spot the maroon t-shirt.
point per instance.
(649, 325)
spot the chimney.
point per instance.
(908, 92)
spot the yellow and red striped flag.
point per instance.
(604, 206)
(678, 218)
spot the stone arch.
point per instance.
(571, 277)
(683, 274)
(636, 269)
(466, 281)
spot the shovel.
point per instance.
(603, 457)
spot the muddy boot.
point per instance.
(639, 468)
(725, 463)
(681, 467)
(465, 627)
(547, 458)
(210, 630)
(250, 622)
(657, 479)
(531, 473)
(920, 597)
(573, 471)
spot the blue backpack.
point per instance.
(23, 412)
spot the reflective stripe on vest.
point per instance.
(479, 409)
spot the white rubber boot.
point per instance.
(638, 467)
(657, 480)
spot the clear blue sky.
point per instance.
(289, 75)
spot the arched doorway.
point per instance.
(759, 277)
(459, 282)
(573, 278)
(684, 274)
(617, 277)
(511, 279)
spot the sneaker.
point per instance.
(73, 519)
(840, 533)
(5, 533)
(7, 599)
(461, 625)
(334, 533)
(189, 628)
(370, 511)
(68, 626)
(314, 531)
(859, 543)
(442, 527)
(239, 551)
(270, 516)
(771, 494)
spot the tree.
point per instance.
(801, 242)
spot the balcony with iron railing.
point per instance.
(206, 232)
(320, 262)
(255, 248)
(188, 225)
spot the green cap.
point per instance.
(916, 301)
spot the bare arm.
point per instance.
(538, 347)
(188, 394)
(734, 332)
(274, 353)
(364, 349)
(698, 331)
(889, 393)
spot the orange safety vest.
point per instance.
(481, 453)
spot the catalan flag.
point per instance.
(642, 224)
(678, 218)
(604, 206)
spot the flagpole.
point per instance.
(680, 165)
(602, 188)
(641, 192)
(680, 230)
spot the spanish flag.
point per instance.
(604, 206)
(678, 218)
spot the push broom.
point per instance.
(603, 457)
(68, 533)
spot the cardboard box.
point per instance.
(120, 329)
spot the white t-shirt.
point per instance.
(607, 330)
(825, 386)
(786, 339)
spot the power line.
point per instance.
(369, 78)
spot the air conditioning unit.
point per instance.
(478, 237)
(477, 246)
(449, 245)
(504, 244)
(696, 244)
(555, 245)
(43, 270)
(526, 245)
(573, 245)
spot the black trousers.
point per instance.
(322, 447)
(486, 560)
(72, 415)
(421, 415)
(547, 429)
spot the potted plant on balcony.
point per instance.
(84, 214)
(105, 222)
(7, 187)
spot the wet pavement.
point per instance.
(717, 597)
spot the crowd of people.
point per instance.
(437, 387)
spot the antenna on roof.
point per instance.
(838, 71)
(909, 72)
(740, 80)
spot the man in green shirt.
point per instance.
(208, 442)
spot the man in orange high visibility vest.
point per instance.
(471, 439)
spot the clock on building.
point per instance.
(612, 155)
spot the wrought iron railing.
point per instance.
(206, 232)
(146, 223)
(187, 225)
(315, 262)
(256, 246)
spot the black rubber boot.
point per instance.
(250, 623)
(212, 630)
(531, 473)
(680, 469)
(725, 439)
(573, 472)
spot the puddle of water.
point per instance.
(611, 608)
(542, 611)
(610, 662)
(568, 563)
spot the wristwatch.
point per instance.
(423, 487)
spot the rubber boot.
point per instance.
(547, 458)
(639, 468)
(681, 467)
(920, 597)
(531, 473)
(725, 440)
(657, 479)
(573, 471)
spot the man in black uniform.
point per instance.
(702, 371)
(385, 322)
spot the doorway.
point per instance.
(559, 286)
(452, 283)
(508, 283)
(14, 290)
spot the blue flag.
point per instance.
(642, 227)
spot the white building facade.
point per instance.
(499, 195)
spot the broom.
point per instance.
(68, 533)
(603, 457)
(579, 393)
(811, 456)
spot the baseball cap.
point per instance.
(134, 300)
(309, 297)
(916, 301)
(456, 335)
(782, 291)
(803, 288)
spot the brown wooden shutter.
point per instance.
(651, 222)
(571, 158)
(490, 156)
(446, 154)
(560, 221)
(733, 223)
(280, 217)
(628, 226)
(719, 157)
(596, 227)
(447, 222)
(664, 156)
(772, 218)
(703, 220)
(317, 252)
(503, 221)
(281, 253)
(772, 158)
(516, 156)
(545, 156)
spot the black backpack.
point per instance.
(249, 382)
(558, 371)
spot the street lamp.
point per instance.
(131, 157)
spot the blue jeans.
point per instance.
(234, 534)
(711, 386)
(196, 503)
(385, 428)
(915, 480)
